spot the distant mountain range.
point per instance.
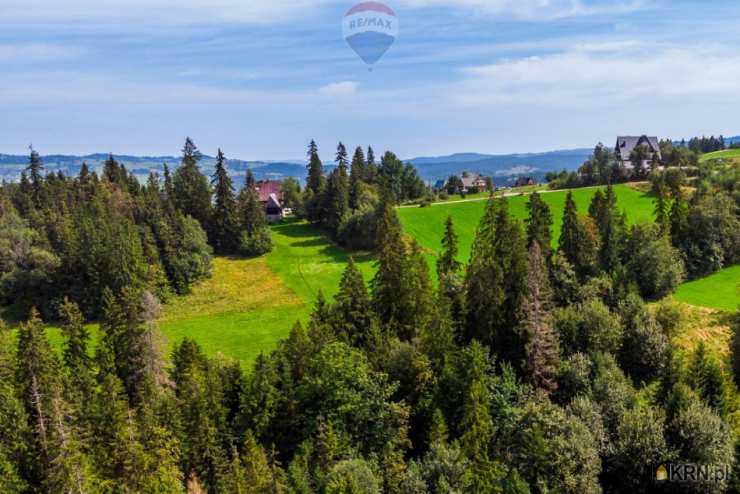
(501, 167)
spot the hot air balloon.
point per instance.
(370, 28)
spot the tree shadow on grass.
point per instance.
(315, 237)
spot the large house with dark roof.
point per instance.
(627, 144)
(271, 196)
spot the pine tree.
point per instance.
(603, 211)
(38, 381)
(539, 224)
(352, 307)
(125, 337)
(451, 288)
(77, 361)
(357, 176)
(679, 220)
(577, 244)
(570, 236)
(225, 225)
(34, 168)
(336, 199)
(542, 348)
(419, 292)
(388, 284)
(447, 264)
(477, 436)
(495, 283)
(662, 213)
(192, 194)
(251, 211)
(372, 168)
(315, 179)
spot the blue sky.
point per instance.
(260, 78)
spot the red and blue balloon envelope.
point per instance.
(370, 28)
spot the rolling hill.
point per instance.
(430, 169)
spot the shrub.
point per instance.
(257, 244)
(357, 231)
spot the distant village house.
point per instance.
(474, 182)
(524, 182)
(627, 144)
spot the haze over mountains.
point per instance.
(430, 168)
(503, 168)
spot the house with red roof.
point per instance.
(271, 196)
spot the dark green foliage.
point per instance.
(447, 264)
(352, 309)
(578, 240)
(495, 283)
(27, 267)
(539, 223)
(225, 225)
(257, 243)
(644, 352)
(706, 377)
(588, 327)
(192, 193)
(654, 264)
(255, 238)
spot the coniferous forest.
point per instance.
(524, 369)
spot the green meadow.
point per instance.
(730, 154)
(248, 305)
(718, 291)
(426, 225)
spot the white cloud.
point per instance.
(339, 89)
(593, 77)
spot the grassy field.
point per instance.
(427, 224)
(730, 154)
(718, 291)
(250, 304)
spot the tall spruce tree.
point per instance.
(539, 223)
(357, 175)
(570, 233)
(603, 210)
(495, 283)
(388, 285)
(577, 244)
(192, 193)
(77, 360)
(542, 347)
(352, 309)
(315, 169)
(251, 211)
(336, 199)
(447, 264)
(34, 169)
(39, 383)
(225, 224)
(451, 288)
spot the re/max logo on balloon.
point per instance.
(370, 29)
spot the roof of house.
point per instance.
(626, 144)
(472, 180)
(265, 188)
(273, 201)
